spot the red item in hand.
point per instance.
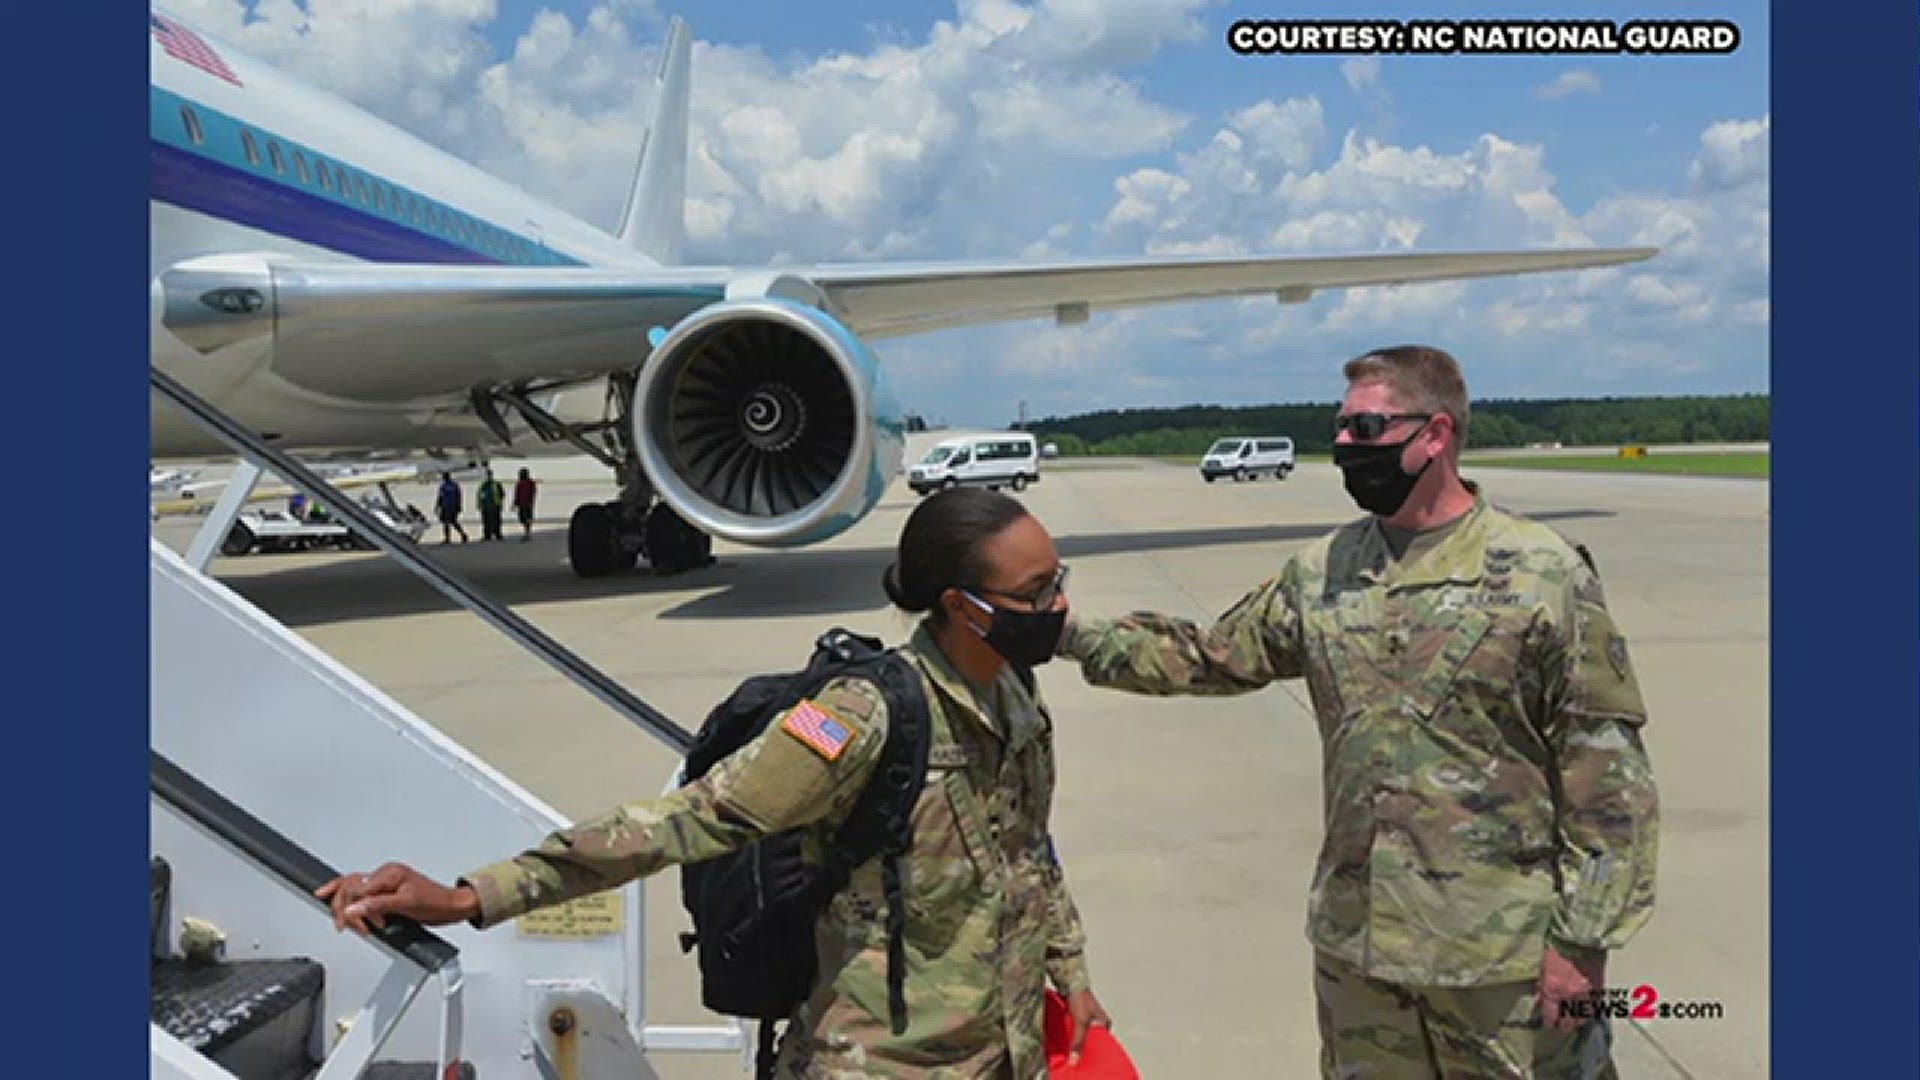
(1103, 1058)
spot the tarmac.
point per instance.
(1188, 827)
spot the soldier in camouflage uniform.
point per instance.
(1490, 814)
(989, 918)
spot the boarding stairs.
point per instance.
(273, 765)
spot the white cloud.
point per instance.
(1733, 153)
(1362, 75)
(1568, 84)
(1282, 136)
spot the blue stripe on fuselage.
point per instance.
(192, 182)
(215, 177)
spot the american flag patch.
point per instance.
(825, 733)
(184, 45)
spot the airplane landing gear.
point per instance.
(596, 546)
(601, 541)
(673, 545)
(603, 538)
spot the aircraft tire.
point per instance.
(239, 540)
(591, 546)
(674, 545)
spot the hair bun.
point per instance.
(890, 581)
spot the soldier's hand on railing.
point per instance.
(362, 902)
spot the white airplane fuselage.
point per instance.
(237, 169)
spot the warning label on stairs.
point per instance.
(590, 916)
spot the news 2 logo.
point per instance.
(1643, 1002)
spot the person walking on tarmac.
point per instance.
(523, 493)
(447, 503)
(989, 920)
(491, 498)
(1491, 818)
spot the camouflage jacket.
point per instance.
(1485, 786)
(989, 918)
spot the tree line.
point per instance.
(1189, 430)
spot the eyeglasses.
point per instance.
(1368, 426)
(1041, 599)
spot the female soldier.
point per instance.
(989, 919)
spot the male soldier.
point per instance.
(1490, 813)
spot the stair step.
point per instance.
(412, 1070)
(253, 1017)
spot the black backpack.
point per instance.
(754, 910)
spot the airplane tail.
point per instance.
(654, 221)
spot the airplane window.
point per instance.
(326, 178)
(300, 163)
(380, 194)
(252, 148)
(279, 159)
(360, 188)
(192, 121)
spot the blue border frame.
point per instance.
(1846, 539)
(1846, 696)
(76, 657)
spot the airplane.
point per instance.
(340, 286)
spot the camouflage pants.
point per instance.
(1372, 1030)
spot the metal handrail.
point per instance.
(287, 860)
(409, 554)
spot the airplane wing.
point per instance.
(889, 301)
(397, 333)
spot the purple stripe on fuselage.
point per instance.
(192, 182)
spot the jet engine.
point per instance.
(766, 422)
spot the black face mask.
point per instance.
(1373, 474)
(1027, 638)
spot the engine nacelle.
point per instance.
(766, 422)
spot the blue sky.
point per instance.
(994, 129)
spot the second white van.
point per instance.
(1246, 458)
(990, 461)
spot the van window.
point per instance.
(962, 456)
(1224, 446)
(937, 455)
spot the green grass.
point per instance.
(1752, 464)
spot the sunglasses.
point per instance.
(1368, 426)
(1041, 599)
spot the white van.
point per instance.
(1247, 458)
(988, 461)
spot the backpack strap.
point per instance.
(769, 1053)
(881, 821)
(896, 944)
